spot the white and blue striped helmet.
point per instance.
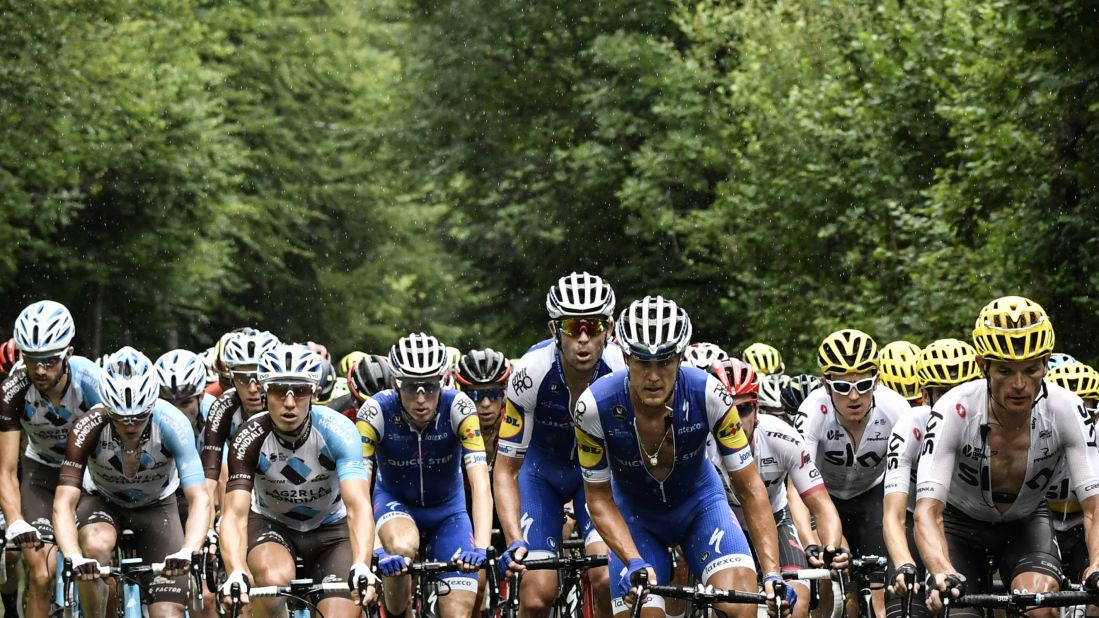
(290, 363)
(181, 373)
(246, 348)
(44, 328)
(653, 328)
(580, 295)
(418, 355)
(128, 385)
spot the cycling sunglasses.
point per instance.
(477, 394)
(425, 387)
(247, 378)
(844, 387)
(574, 326)
(183, 400)
(281, 389)
(48, 362)
(746, 408)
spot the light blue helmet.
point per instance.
(181, 373)
(44, 328)
(1058, 359)
(128, 385)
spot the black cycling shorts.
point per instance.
(1022, 546)
(325, 552)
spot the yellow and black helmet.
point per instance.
(847, 351)
(763, 358)
(898, 365)
(947, 363)
(1013, 328)
(1078, 378)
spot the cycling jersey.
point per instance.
(224, 417)
(420, 467)
(47, 428)
(905, 444)
(167, 458)
(955, 465)
(296, 484)
(779, 452)
(849, 470)
(1065, 508)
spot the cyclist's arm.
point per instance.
(505, 486)
(175, 430)
(65, 499)
(904, 446)
(800, 514)
(829, 530)
(9, 479)
(482, 504)
(931, 537)
(1082, 460)
(608, 520)
(894, 510)
(463, 415)
(70, 478)
(934, 477)
(234, 526)
(515, 431)
(360, 518)
(345, 443)
(757, 510)
(198, 517)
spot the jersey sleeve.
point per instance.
(87, 372)
(945, 427)
(244, 453)
(371, 428)
(1077, 434)
(342, 439)
(898, 461)
(732, 441)
(215, 434)
(179, 439)
(590, 445)
(466, 425)
(13, 395)
(85, 432)
(798, 461)
(518, 422)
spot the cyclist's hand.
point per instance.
(86, 569)
(240, 580)
(790, 596)
(906, 574)
(177, 563)
(472, 559)
(627, 586)
(23, 535)
(390, 566)
(361, 571)
(939, 586)
(1091, 579)
(814, 555)
(511, 561)
(840, 556)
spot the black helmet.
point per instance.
(797, 390)
(485, 366)
(369, 375)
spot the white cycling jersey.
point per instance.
(905, 445)
(849, 470)
(780, 453)
(955, 465)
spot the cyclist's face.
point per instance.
(1016, 384)
(652, 382)
(749, 415)
(248, 388)
(583, 350)
(420, 406)
(489, 406)
(45, 372)
(853, 405)
(187, 405)
(288, 409)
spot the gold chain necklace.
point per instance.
(653, 457)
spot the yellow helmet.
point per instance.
(898, 364)
(348, 361)
(1078, 378)
(847, 351)
(1013, 328)
(948, 362)
(763, 358)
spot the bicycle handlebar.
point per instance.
(807, 574)
(565, 562)
(1066, 598)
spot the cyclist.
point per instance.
(641, 440)
(42, 399)
(137, 451)
(182, 378)
(991, 448)
(349, 360)
(898, 362)
(367, 376)
(764, 358)
(536, 471)
(770, 394)
(794, 392)
(483, 376)
(846, 425)
(417, 436)
(781, 458)
(298, 486)
(942, 365)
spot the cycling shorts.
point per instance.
(36, 489)
(1073, 549)
(157, 533)
(861, 519)
(325, 552)
(1022, 546)
(543, 510)
(445, 529)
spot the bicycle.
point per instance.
(127, 575)
(298, 594)
(427, 587)
(701, 598)
(572, 597)
(1016, 604)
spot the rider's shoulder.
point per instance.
(1059, 398)
(890, 401)
(83, 367)
(774, 426)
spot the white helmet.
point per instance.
(181, 373)
(128, 385)
(653, 328)
(290, 363)
(770, 390)
(704, 355)
(578, 295)
(207, 358)
(246, 348)
(44, 328)
(417, 355)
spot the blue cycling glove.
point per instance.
(791, 594)
(634, 566)
(508, 556)
(390, 565)
(475, 556)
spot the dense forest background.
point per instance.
(348, 170)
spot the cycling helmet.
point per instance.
(369, 376)
(898, 365)
(219, 352)
(44, 328)
(1077, 377)
(653, 328)
(9, 355)
(103, 360)
(770, 390)
(246, 348)
(319, 349)
(290, 363)
(578, 295)
(348, 361)
(1013, 328)
(1060, 358)
(327, 383)
(208, 357)
(485, 366)
(948, 362)
(847, 351)
(181, 373)
(743, 379)
(797, 390)
(417, 355)
(129, 386)
(704, 355)
(764, 358)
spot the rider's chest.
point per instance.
(1009, 458)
